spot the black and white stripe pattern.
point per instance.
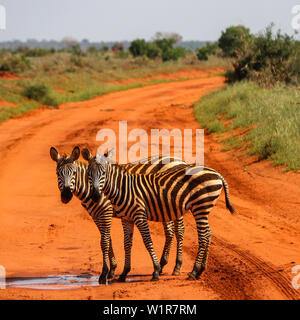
(161, 196)
(73, 179)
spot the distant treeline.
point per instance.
(84, 44)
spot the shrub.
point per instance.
(38, 52)
(233, 40)
(41, 93)
(173, 53)
(153, 51)
(77, 61)
(76, 50)
(138, 47)
(168, 52)
(268, 59)
(202, 53)
(14, 64)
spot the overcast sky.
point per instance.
(113, 20)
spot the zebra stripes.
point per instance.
(161, 196)
(73, 179)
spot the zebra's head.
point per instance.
(96, 171)
(66, 172)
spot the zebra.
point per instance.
(73, 180)
(162, 196)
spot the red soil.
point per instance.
(251, 255)
(8, 75)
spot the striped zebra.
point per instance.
(73, 180)
(162, 196)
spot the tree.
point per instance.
(138, 47)
(234, 40)
(202, 53)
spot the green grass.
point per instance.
(60, 77)
(271, 115)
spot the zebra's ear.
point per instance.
(109, 154)
(75, 153)
(54, 154)
(86, 154)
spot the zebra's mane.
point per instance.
(65, 158)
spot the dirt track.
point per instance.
(251, 254)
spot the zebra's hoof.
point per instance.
(155, 277)
(176, 273)
(102, 280)
(191, 277)
(122, 278)
(111, 273)
(199, 273)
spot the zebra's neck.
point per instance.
(82, 189)
(116, 180)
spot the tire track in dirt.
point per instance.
(280, 281)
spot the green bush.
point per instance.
(173, 53)
(138, 47)
(77, 61)
(38, 52)
(41, 93)
(234, 40)
(209, 49)
(163, 48)
(168, 52)
(76, 50)
(202, 53)
(268, 59)
(153, 51)
(14, 64)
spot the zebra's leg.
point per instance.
(128, 228)
(205, 256)
(112, 260)
(204, 237)
(142, 224)
(179, 231)
(104, 225)
(169, 234)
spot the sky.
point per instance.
(115, 20)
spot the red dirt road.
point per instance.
(251, 255)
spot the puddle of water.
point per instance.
(62, 282)
(54, 282)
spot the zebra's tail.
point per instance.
(229, 206)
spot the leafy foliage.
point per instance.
(14, 63)
(268, 59)
(39, 92)
(234, 40)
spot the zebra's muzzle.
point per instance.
(95, 196)
(66, 195)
